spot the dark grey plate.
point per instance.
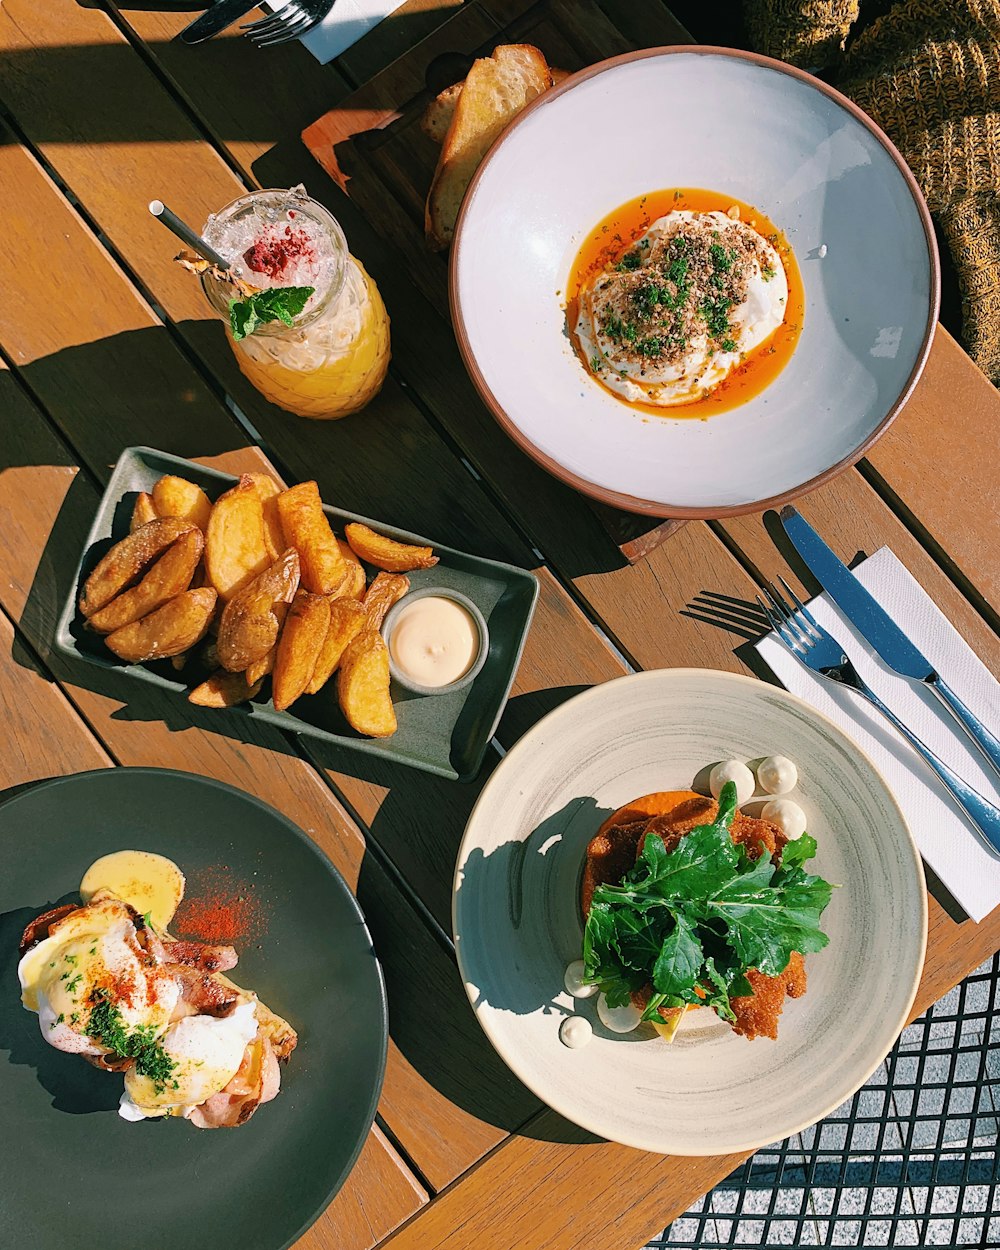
(72, 1172)
(446, 734)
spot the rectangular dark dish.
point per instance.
(445, 734)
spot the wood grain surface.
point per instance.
(118, 347)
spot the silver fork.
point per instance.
(809, 642)
(288, 23)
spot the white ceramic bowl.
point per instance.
(731, 122)
(517, 915)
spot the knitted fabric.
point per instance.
(802, 32)
(928, 72)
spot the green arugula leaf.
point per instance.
(279, 303)
(679, 960)
(770, 914)
(796, 853)
(717, 993)
(692, 921)
(638, 938)
(657, 1001)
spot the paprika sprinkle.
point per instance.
(220, 909)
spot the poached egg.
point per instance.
(206, 1052)
(91, 953)
(682, 308)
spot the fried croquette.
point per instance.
(671, 815)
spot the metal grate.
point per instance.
(911, 1160)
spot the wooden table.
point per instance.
(105, 343)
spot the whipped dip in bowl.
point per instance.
(438, 641)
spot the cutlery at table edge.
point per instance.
(215, 19)
(885, 637)
(822, 654)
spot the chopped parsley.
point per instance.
(58, 1020)
(597, 363)
(629, 262)
(728, 345)
(70, 959)
(71, 985)
(716, 313)
(151, 1060)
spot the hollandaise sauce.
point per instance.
(150, 883)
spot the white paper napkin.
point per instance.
(949, 844)
(343, 26)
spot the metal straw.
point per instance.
(186, 234)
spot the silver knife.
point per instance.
(215, 19)
(878, 627)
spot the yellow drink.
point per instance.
(333, 359)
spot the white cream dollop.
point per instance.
(732, 770)
(575, 980)
(788, 816)
(618, 1019)
(575, 1032)
(777, 774)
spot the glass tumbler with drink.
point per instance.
(321, 355)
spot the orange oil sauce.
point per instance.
(612, 236)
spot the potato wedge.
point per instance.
(143, 512)
(176, 496)
(304, 524)
(170, 574)
(363, 686)
(356, 581)
(347, 619)
(252, 619)
(235, 547)
(299, 646)
(269, 490)
(224, 689)
(260, 668)
(386, 553)
(168, 631)
(384, 591)
(128, 560)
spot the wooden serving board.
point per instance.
(373, 147)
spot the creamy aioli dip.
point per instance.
(434, 641)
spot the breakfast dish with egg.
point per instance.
(679, 294)
(108, 982)
(690, 902)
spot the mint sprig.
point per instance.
(694, 920)
(279, 303)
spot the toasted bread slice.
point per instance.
(496, 89)
(438, 114)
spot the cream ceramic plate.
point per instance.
(517, 921)
(767, 134)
